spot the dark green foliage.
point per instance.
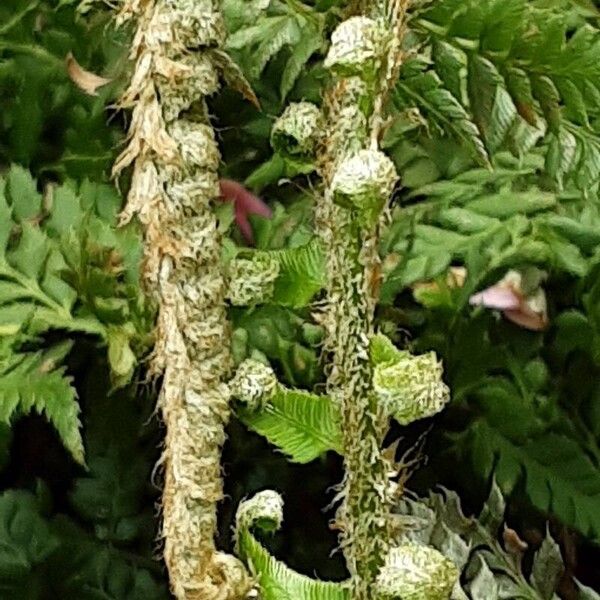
(509, 74)
(64, 267)
(274, 30)
(100, 545)
(490, 222)
(283, 337)
(47, 123)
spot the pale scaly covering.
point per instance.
(175, 158)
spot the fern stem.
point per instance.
(354, 114)
(175, 160)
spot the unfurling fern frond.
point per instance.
(289, 277)
(302, 425)
(275, 580)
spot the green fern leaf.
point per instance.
(311, 40)
(32, 382)
(425, 91)
(276, 581)
(26, 541)
(532, 56)
(449, 61)
(301, 274)
(302, 425)
(558, 477)
(248, 36)
(64, 266)
(286, 32)
(502, 118)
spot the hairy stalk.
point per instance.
(175, 159)
(358, 182)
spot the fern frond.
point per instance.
(276, 581)
(424, 90)
(63, 265)
(33, 382)
(266, 30)
(302, 425)
(300, 274)
(557, 476)
(489, 570)
(505, 213)
(529, 74)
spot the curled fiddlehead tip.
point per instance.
(296, 131)
(411, 388)
(364, 181)
(416, 572)
(357, 45)
(253, 383)
(264, 508)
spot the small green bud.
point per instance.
(239, 345)
(252, 280)
(416, 572)
(296, 131)
(357, 45)
(253, 383)
(364, 181)
(411, 388)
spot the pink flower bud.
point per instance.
(245, 204)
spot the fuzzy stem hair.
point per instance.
(174, 156)
(353, 110)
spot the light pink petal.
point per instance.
(499, 297)
(526, 318)
(248, 203)
(241, 218)
(245, 203)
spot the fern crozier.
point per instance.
(416, 572)
(357, 45)
(253, 383)
(252, 280)
(412, 387)
(297, 130)
(365, 180)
